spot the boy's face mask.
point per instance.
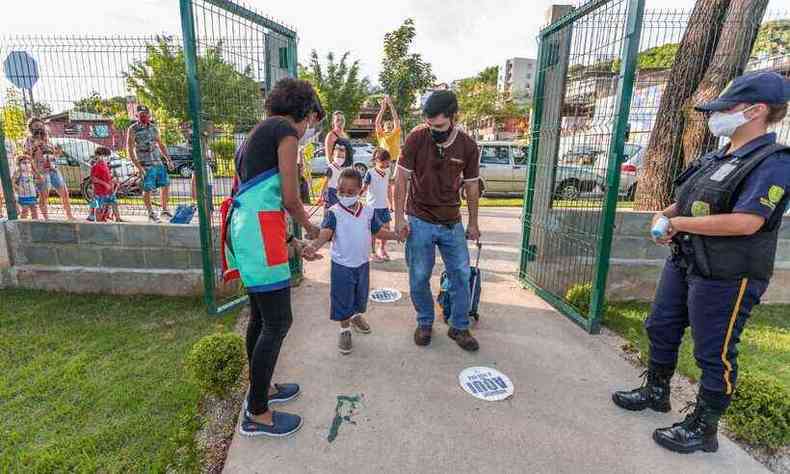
(348, 201)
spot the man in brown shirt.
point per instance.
(435, 162)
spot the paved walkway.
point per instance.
(414, 417)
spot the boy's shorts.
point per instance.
(155, 177)
(348, 291)
(108, 200)
(50, 179)
(27, 201)
(383, 215)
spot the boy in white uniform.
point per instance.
(350, 226)
(379, 193)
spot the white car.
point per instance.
(75, 163)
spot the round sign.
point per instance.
(485, 383)
(21, 69)
(385, 295)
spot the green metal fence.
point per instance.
(260, 52)
(566, 242)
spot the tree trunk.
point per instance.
(664, 155)
(732, 53)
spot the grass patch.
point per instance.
(97, 383)
(764, 348)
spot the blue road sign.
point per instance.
(21, 69)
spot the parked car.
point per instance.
(363, 155)
(503, 167)
(182, 160)
(75, 164)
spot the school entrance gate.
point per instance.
(571, 194)
(261, 52)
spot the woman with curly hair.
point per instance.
(257, 245)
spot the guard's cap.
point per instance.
(755, 88)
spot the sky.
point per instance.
(459, 37)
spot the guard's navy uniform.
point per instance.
(712, 283)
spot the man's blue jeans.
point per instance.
(421, 246)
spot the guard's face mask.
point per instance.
(722, 124)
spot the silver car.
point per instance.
(503, 167)
(363, 155)
(75, 163)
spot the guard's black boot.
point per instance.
(654, 392)
(696, 432)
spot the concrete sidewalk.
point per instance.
(415, 418)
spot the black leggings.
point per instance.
(270, 319)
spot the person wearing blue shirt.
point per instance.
(723, 230)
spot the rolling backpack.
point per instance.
(184, 214)
(475, 288)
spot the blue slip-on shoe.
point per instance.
(284, 425)
(285, 393)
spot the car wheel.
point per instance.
(185, 171)
(568, 190)
(86, 189)
(361, 169)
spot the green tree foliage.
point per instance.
(404, 75)
(337, 83)
(489, 75)
(13, 115)
(773, 39)
(660, 57)
(228, 95)
(114, 107)
(478, 99)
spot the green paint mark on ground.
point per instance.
(344, 410)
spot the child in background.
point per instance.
(24, 180)
(104, 186)
(379, 194)
(333, 170)
(350, 226)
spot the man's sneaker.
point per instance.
(344, 341)
(153, 217)
(359, 324)
(464, 339)
(422, 336)
(284, 425)
(166, 214)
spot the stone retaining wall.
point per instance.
(122, 258)
(637, 262)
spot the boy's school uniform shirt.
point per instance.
(353, 231)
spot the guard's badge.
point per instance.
(700, 208)
(775, 194)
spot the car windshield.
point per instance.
(81, 150)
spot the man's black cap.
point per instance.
(143, 108)
(755, 88)
(440, 102)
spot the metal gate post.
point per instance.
(527, 253)
(623, 105)
(5, 177)
(206, 246)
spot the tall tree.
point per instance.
(404, 75)
(228, 95)
(489, 75)
(337, 83)
(664, 153)
(732, 53)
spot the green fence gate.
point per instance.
(223, 34)
(571, 195)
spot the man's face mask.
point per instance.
(723, 124)
(440, 136)
(145, 119)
